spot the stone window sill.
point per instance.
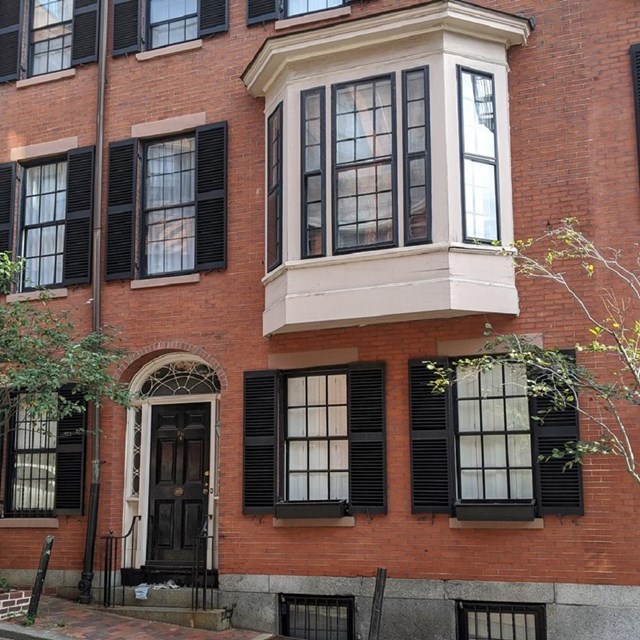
(319, 16)
(29, 523)
(165, 282)
(35, 295)
(294, 523)
(537, 523)
(169, 51)
(46, 77)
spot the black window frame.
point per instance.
(146, 143)
(22, 227)
(274, 188)
(305, 174)
(393, 163)
(481, 433)
(285, 439)
(537, 610)
(288, 600)
(31, 46)
(460, 69)
(149, 27)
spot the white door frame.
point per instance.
(137, 504)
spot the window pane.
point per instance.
(496, 485)
(471, 452)
(521, 484)
(298, 456)
(318, 486)
(338, 421)
(317, 421)
(468, 415)
(471, 485)
(492, 415)
(339, 455)
(467, 382)
(478, 115)
(297, 423)
(517, 414)
(298, 486)
(480, 200)
(495, 451)
(296, 392)
(318, 455)
(339, 486)
(316, 390)
(519, 451)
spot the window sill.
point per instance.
(46, 77)
(294, 523)
(307, 509)
(495, 512)
(165, 282)
(35, 295)
(169, 51)
(29, 523)
(536, 523)
(320, 16)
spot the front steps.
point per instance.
(211, 620)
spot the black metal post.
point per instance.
(86, 578)
(376, 609)
(40, 576)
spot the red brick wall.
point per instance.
(574, 153)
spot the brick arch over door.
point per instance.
(135, 361)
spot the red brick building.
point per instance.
(285, 207)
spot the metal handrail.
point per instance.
(199, 573)
(112, 543)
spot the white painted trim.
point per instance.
(140, 505)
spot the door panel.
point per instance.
(177, 493)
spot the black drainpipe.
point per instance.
(86, 579)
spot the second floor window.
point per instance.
(43, 226)
(51, 35)
(172, 21)
(170, 206)
(300, 7)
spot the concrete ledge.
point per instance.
(53, 148)
(36, 295)
(304, 359)
(454, 523)
(488, 591)
(165, 282)
(169, 51)
(318, 16)
(29, 523)
(598, 595)
(294, 523)
(46, 77)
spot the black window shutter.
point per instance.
(121, 209)
(7, 192)
(260, 426)
(10, 13)
(262, 10)
(86, 17)
(211, 196)
(430, 448)
(126, 27)
(77, 237)
(635, 72)
(367, 442)
(70, 454)
(559, 491)
(214, 16)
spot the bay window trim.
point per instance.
(274, 187)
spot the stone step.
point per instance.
(211, 620)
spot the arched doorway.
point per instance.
(171, 463)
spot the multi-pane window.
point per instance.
(317, 446)
(33, 464)
(363, 122)
(169, 198)
(483, 621)
(51, 34)
(317, 618)
(479, 155)
(493, 434)
(172, 21)
(274, 188)
(416, 154)
(313, 186)
(43, 225)
(299, 7)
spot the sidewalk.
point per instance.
(60, 619)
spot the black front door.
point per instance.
(178, 480)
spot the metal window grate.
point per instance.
(495, 621)
(317, 618)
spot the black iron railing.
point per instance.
(116, 547)
(201, 589)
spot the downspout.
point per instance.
(86, 579)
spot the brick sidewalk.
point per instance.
(60, 619)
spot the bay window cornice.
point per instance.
(280, 52)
